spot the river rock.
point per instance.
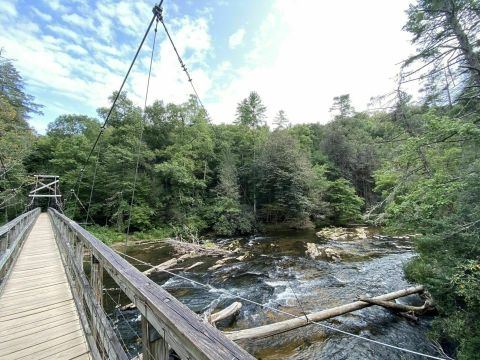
(334, 233)
(341, 234)
(323, 252)
(361, 233)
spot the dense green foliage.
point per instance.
(194, 176)
(16, 138)
(412, 167)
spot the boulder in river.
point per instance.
(342, 234)
(322, 252)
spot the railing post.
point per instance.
(4, 243)
(96, 279)
(78, 252)
(154, 345)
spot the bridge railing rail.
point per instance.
(12, 235)
(167, 324)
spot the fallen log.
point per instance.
(198, 263)
(390, 305)
(167, 264)
(225, 313)
(163, 266)
(287, 325)
(182, 247)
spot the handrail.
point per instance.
(12, 235)
(8, 226)
(166, 322)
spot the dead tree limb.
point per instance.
(397, 307)
(225, 313)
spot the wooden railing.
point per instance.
(167, 324)
(12, 236)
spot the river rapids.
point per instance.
(278, 272)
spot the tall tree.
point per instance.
(227, 215)
(445, 32)
(12, 89)
(16, 137)
(280, 120)
(251, 111)
(286, 181)
(342, 106)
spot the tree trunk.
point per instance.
(466, 47)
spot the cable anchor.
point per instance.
(158, 12)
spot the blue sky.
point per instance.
(297, 55)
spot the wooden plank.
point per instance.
(38, 324)
(71, 353)
(38, 317)
(33, 308)
(34, 338)
(28, 352)
(67, 343)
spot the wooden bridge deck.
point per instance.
(38, 316)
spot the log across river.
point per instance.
(287, 325)
(276, 269)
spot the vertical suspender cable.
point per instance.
(93, 181)
(140, 140)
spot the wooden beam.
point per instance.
(154, 345)
(45, 186)
(35, 196)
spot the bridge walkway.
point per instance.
(38, 316)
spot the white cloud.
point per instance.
(236, 38)
(168, 81)
(72, 79)
(75, 19)
(60, 30)
(300, 56)
(7, 8)
(42, 15)
(103, 49)
(76, 49)
(303, 56)
(56, 5)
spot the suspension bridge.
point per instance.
(51, 299)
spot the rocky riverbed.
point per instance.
(300, 272)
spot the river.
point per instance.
(277, 272)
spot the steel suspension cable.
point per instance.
(182, 65)
(93, 182)
(140, 140)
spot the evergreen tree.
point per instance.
(280, 120)
(251, 111)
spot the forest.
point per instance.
(411, 165)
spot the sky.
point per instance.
(297, 54)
